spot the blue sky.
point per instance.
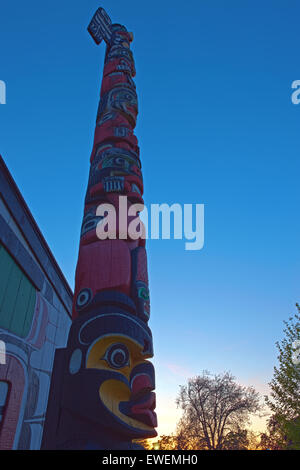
(216, 126)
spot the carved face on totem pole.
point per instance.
(112, 372)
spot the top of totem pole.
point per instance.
(100, 27)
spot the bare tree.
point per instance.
(213, 406)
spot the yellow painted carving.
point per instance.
(95, 356)
(113, 391)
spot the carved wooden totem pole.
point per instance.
(101, 394)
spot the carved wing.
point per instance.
(99, 27)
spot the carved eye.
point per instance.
(119, 161)
(90, 222)
(143, 293)
(117, 356)
(83, 298)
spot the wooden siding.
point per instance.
(17, 297)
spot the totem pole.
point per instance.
(101, 394)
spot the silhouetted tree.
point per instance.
(274, 438)
(213, 406)
(236, 440)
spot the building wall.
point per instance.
(35, 310)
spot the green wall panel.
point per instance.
(17, 296)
